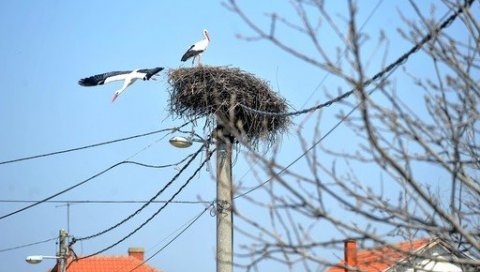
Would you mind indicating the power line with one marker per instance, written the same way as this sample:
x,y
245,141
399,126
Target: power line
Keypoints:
x,y
154,214
403,58
175,237
85,147
105,201
61,192
94,145
77,185
28,245
146,204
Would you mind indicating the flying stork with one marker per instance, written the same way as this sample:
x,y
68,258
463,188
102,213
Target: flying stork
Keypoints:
x,y
128,77
198,48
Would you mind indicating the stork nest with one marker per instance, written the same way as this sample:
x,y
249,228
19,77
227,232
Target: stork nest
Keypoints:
x,y
217,92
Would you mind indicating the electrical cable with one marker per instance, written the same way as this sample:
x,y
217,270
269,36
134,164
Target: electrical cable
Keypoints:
x,y
27,245
154,214
77,185
97,144
61,192
86,146
403,58
193,156
175,237
105,201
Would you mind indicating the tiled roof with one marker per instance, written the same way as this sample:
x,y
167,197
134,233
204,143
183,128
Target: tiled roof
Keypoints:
x,y
107,264
379,259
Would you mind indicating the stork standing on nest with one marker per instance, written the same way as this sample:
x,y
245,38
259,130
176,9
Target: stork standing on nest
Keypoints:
x,y
197,49
128,77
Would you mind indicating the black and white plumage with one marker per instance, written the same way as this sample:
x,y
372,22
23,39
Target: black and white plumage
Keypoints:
x,y
128,77
198,48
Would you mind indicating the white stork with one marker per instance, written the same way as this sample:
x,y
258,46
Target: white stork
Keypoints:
x,y
198,48
128,77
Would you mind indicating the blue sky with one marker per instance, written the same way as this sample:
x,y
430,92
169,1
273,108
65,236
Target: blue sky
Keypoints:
x,y
47,46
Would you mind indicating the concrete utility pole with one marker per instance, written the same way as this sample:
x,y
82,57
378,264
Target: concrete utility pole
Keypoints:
x,y
62,249
224,202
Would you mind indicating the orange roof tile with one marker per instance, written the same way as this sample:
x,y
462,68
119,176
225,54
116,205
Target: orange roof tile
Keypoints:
x,y
108,264
379,259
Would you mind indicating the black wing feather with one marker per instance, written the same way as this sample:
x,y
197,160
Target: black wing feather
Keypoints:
x,y
100,78
190,53
150,72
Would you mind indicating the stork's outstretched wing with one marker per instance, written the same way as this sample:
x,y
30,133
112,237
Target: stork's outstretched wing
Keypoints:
x,y
101,78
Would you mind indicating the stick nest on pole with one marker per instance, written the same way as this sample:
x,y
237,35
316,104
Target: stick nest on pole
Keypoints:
x,y
217,92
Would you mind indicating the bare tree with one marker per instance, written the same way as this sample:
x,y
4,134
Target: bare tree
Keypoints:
x,y
399,143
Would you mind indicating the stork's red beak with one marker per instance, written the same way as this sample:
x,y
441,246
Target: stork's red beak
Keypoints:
x,y
114,97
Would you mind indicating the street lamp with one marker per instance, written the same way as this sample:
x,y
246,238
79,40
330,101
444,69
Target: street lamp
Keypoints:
x,y
182,142
62,253
35,259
